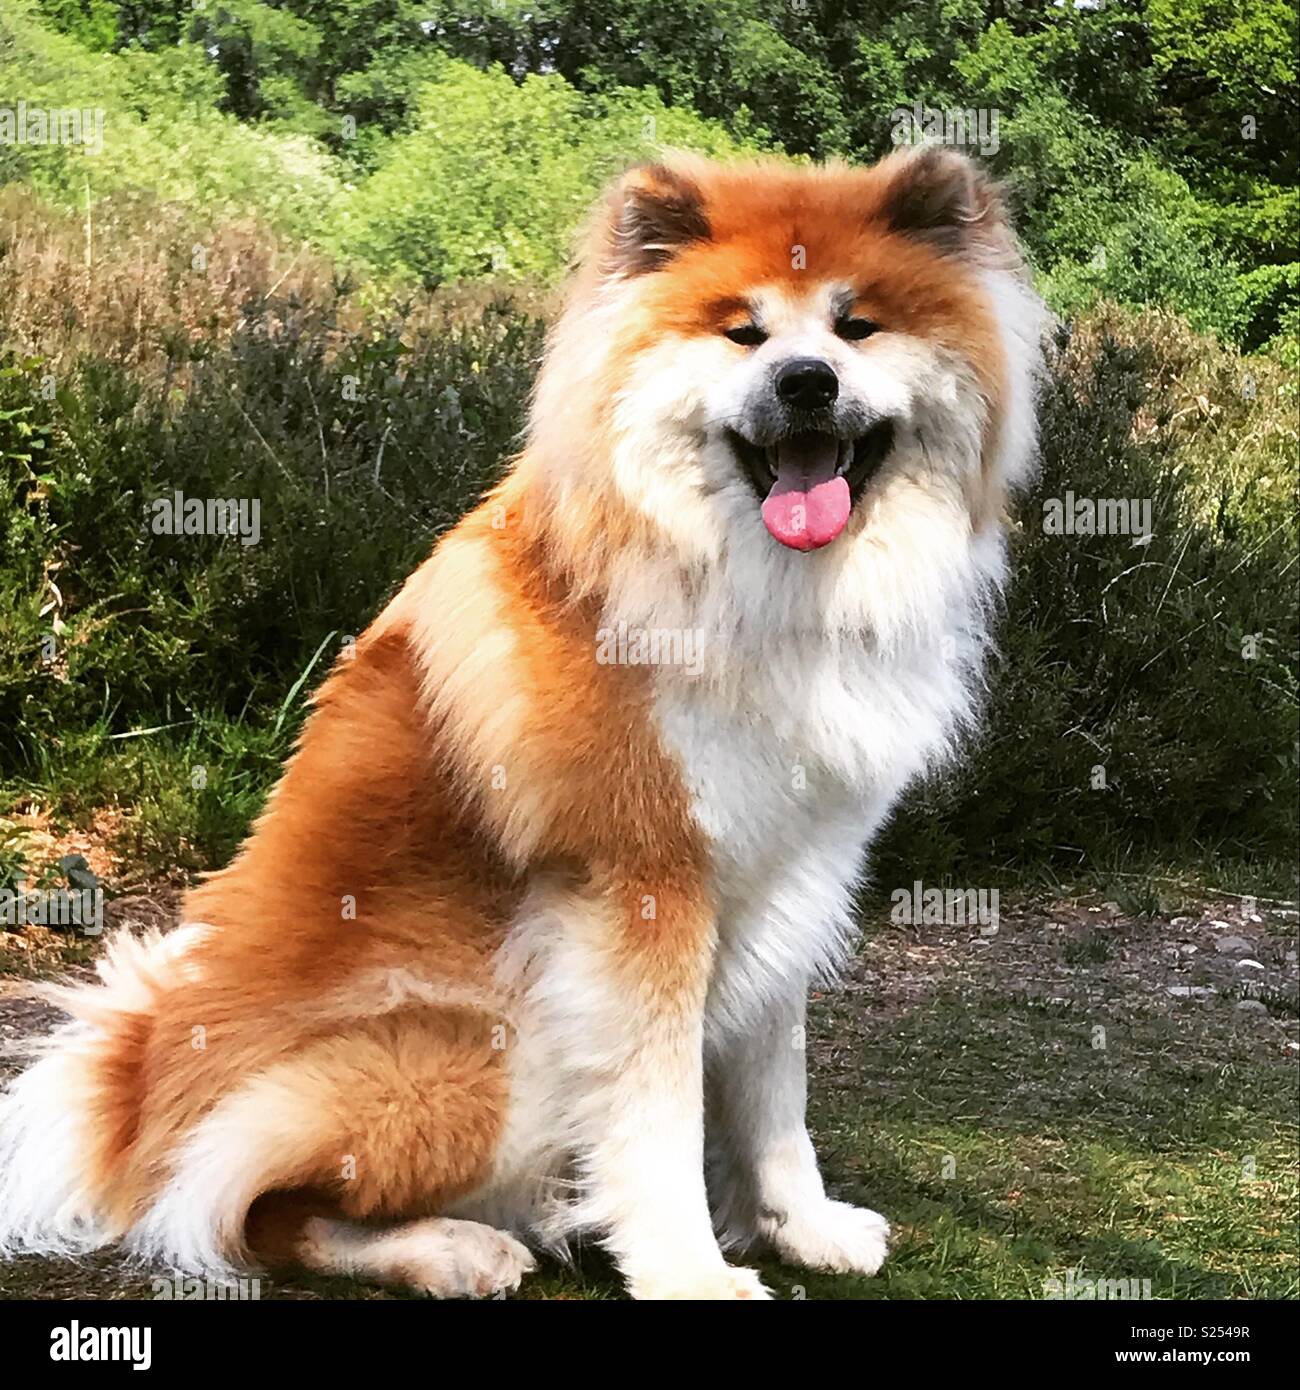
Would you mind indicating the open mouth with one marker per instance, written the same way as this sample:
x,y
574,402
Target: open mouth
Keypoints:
x,y
809,481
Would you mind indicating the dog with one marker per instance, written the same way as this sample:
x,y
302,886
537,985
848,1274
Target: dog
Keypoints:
x,y
519,950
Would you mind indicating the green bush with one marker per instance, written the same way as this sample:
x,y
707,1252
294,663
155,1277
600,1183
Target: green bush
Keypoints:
x,y
164,139
1144,244
359,447
1171,666
494,176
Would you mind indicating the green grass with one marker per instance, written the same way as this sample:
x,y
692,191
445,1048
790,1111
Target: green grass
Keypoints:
x,y
1089,949
1008,1149
184,797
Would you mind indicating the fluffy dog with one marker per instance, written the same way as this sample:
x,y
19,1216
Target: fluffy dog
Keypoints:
x,y
521,944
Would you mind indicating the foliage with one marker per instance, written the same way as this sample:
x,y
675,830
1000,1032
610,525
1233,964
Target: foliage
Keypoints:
x,y
493,177
1148,142
1170,665
163,137
356,445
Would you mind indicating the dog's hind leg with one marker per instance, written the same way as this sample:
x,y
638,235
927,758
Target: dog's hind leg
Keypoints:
x,y
343,1156
441,1256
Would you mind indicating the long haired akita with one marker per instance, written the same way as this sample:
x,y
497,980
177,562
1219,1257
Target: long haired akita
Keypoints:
x,y
520,946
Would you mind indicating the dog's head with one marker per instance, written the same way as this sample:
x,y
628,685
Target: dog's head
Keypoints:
x,y
759,356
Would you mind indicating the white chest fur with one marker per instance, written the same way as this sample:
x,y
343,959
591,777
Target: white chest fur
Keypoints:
x,y
790,768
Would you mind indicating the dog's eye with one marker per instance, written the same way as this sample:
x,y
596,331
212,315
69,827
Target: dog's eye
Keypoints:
x,y
854,330
746,334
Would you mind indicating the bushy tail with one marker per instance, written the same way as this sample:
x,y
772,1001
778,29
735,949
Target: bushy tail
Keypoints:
x,y
60,1117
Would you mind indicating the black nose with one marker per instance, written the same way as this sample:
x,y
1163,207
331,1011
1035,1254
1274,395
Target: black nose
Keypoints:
x,y
807,383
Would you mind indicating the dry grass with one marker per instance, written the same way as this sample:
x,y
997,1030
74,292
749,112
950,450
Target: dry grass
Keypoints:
x,y
144,287
136,286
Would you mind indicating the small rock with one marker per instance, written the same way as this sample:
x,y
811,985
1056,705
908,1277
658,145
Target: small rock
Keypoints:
x,y
1187,950
1180,921
77,871
1248,965
1251,1006
1232,945
1191,991
1217,925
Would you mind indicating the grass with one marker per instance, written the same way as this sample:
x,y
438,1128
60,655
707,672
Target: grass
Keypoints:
x,y
1009,1150
1089,949
182,798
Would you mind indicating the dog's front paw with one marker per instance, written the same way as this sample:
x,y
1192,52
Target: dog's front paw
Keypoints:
x,y
723,1282
833,1236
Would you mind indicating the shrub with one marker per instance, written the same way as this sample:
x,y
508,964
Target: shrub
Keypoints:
x,y
1171,666
164,140
494,175
359,447
1145,243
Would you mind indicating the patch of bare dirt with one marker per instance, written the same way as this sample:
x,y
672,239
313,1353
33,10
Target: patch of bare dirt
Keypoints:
x,y
1229,964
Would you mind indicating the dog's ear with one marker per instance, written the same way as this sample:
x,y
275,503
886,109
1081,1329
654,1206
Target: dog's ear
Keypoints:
x,y
941,197
654,212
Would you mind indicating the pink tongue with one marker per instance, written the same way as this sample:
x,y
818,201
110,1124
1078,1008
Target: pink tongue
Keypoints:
x,y
808,505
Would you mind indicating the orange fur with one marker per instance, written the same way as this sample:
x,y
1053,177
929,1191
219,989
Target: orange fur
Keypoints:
x,y
384,803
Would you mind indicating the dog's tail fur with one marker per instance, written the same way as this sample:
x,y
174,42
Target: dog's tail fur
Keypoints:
x,y
67,1121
